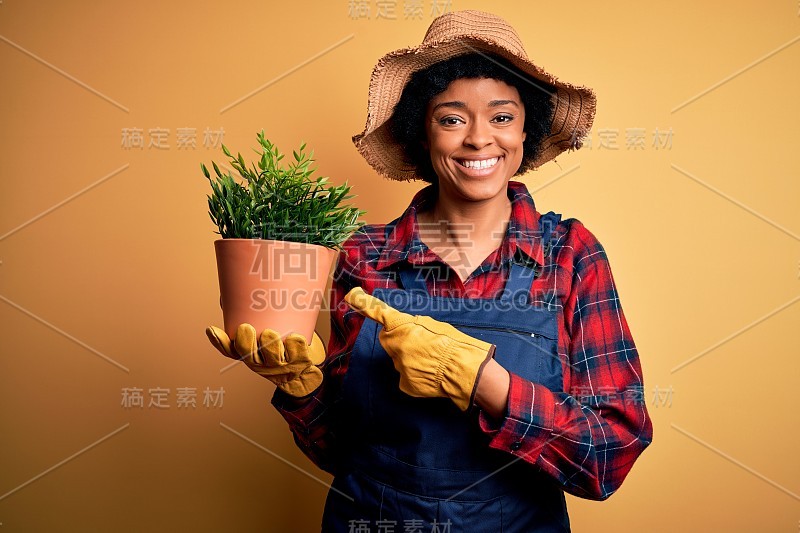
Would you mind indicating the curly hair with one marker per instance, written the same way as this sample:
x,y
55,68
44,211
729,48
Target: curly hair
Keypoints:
x,y
407,123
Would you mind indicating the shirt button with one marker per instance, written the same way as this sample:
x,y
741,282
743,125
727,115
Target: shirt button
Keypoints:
x,y
516,445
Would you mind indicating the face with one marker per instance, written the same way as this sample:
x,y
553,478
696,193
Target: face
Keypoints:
x,y
474,136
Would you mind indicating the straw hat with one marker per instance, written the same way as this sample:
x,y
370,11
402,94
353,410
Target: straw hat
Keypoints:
x,y
452,34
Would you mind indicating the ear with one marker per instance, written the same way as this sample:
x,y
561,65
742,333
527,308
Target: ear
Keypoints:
x,y
524,135
425,145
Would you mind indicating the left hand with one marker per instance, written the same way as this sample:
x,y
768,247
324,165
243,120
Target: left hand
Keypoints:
x,y
434,359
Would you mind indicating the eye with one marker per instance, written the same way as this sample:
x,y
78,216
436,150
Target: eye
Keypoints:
x,y
504,118
449,121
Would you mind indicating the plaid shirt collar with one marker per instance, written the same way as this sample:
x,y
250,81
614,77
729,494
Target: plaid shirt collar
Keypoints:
x,y
522,241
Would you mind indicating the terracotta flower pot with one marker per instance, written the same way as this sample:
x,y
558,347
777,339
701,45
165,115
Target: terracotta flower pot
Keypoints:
x,y
272,284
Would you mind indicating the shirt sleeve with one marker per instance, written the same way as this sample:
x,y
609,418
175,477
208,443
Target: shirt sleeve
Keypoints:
x,y
309,417
586,439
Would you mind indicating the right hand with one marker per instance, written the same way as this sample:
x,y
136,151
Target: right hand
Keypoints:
x,y
290,364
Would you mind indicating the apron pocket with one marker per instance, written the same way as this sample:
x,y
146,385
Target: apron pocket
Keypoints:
x,y
411,512
468,516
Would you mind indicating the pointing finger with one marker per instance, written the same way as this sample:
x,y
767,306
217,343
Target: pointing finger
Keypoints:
x,y
374,308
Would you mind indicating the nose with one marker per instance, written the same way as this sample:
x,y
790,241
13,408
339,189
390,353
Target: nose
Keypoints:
x,y
478,135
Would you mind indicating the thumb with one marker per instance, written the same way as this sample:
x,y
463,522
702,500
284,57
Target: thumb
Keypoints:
x,y
374,308
220,340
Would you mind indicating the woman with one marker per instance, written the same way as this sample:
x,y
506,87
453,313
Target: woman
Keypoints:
x,y
480,364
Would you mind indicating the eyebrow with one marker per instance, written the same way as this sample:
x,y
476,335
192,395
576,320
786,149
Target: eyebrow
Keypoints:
x,y
461,105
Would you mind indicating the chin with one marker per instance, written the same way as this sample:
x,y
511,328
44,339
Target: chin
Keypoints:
x,y
481,189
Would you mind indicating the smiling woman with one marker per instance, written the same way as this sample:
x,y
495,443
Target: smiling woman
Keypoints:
x,y
479,365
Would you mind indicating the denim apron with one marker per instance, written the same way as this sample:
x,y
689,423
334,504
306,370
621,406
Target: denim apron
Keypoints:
x,y
421,464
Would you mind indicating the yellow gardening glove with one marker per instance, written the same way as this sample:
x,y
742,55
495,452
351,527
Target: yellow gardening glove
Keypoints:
x,y
290,364
434,358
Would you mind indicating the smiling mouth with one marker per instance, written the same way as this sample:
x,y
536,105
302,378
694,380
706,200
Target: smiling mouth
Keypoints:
x,y
478,164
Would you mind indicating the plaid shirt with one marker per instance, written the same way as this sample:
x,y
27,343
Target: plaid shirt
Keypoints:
x,y
587,438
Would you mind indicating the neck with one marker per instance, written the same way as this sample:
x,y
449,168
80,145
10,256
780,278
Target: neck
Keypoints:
x,y
465,224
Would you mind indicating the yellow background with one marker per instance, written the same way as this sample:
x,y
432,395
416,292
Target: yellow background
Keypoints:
x,y
107,252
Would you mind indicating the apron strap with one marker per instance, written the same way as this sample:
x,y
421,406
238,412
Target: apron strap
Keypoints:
x,y
518,285
547,226
411,279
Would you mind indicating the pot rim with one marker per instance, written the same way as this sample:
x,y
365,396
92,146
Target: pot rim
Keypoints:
x,y
237,239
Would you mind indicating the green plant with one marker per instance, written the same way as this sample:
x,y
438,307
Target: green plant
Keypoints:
x,y
280,203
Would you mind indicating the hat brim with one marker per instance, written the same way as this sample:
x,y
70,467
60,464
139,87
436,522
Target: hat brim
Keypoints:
x,y
573,114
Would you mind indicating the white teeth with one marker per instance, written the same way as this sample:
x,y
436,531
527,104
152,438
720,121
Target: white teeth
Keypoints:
x,y
484,163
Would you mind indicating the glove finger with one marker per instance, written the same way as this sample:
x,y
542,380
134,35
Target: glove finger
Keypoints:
x,y
296,349
375,308
271,349
220,340
245,344
275,360
287,357
298,357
